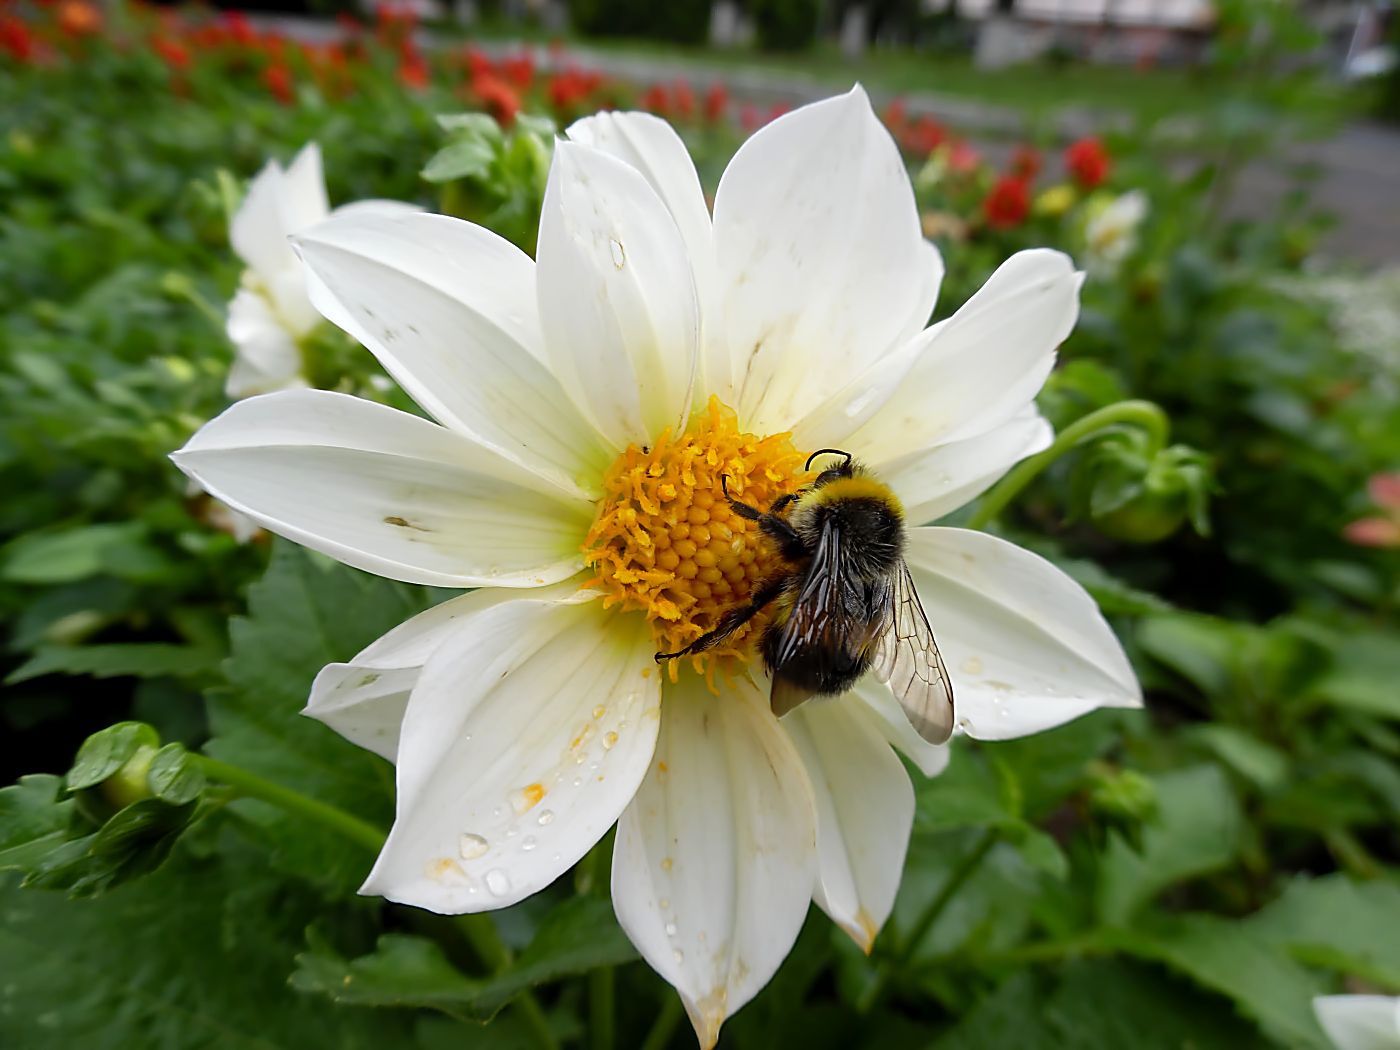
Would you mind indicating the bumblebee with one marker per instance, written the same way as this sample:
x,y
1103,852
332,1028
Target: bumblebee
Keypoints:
x,y
844,602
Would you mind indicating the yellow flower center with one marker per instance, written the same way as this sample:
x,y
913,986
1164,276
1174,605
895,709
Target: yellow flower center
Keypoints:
x,y
667,543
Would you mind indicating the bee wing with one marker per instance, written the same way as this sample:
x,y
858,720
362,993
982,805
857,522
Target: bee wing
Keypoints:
x,y
907,659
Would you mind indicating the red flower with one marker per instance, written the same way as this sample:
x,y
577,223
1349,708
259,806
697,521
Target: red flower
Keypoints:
x,y
1088,162
518,71
1026,162
1008,204
924,136
749,118
17,41
683,98
896,116
655,100
716,102
175,54
79,18
497,97
963,159
413,70
238,28
278,79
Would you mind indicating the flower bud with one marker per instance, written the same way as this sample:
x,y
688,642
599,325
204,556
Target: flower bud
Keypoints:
x,y
1138,495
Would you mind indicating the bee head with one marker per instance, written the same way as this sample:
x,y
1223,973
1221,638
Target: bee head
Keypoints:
x,y
847,469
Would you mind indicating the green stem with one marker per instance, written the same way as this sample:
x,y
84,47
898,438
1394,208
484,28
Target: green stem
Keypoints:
x,y
1142,413
250,785
901,960
935,907
665,1024
480,931
602,1006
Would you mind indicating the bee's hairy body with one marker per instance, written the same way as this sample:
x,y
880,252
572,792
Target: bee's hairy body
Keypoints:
x,y
844,593
868,522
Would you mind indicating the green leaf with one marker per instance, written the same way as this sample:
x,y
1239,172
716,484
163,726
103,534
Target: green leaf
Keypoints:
x,y
195,955
1240,962
1266,766
135,842
34,819
1339,923
304,613
175,776
106,751
1199,828
575,937
1100,1005
144,660
62,557
1199,648
466,158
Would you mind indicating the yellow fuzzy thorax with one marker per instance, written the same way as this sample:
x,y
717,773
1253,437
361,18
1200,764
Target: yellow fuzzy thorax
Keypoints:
x,y
861,486
666,543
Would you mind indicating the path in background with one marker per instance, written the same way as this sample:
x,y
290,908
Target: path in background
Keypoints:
x,y
1358,180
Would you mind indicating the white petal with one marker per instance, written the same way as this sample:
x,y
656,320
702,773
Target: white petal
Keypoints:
x,y
714,863
364,700
386,492
893,724
303,198
524,739
617,296
651,146
950,476
449,309
266,356
865,810
1360,1022
825,268
257,231
1027,647
980,367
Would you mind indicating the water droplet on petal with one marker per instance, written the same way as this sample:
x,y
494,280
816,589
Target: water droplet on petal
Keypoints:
x,y
546,815
599,711
609,741
678,955
619,257
670,929
527,843
498,882
472,846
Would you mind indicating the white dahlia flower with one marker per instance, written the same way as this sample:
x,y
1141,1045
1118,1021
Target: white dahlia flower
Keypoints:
x,y
587,406
1111,232
271,313
1360,1022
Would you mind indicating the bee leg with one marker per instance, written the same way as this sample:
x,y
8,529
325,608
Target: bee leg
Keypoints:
x,y
781,503
729,622
789,543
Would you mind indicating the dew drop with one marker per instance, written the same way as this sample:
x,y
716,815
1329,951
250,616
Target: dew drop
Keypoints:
x,y
678,955
545,817
619,257
498,882
472,846
578,781
599,711
670,929
527,843
609,741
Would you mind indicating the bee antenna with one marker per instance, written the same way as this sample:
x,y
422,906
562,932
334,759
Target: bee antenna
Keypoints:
x,y
825,451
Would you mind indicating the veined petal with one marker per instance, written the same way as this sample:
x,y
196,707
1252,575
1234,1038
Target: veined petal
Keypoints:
x,y
449,309
819,247
980,367
865,811
266,357
1359,1022
524,739
364,700
650,145
886,716
714,863
617,297
1027,647
938,482
386,492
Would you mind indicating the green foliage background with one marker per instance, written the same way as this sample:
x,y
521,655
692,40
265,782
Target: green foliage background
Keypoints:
x,y
1185,876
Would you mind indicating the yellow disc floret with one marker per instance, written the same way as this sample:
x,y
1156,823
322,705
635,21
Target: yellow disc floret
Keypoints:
x,y
667,543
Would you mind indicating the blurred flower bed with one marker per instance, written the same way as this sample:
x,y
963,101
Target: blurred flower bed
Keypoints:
x,y
1196,872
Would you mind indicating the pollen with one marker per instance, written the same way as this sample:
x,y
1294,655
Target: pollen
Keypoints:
x,y
667,544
